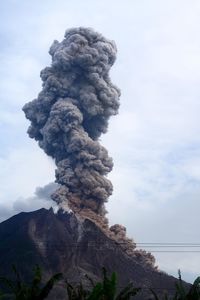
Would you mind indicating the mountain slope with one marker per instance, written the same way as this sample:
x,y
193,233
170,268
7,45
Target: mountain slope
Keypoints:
x,y
63,243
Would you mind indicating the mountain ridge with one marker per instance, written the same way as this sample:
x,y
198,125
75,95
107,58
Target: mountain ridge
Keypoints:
x,y
62,242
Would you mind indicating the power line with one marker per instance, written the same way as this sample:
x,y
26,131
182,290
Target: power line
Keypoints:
x,y
173,243
99,249
173,251
173,246
154,247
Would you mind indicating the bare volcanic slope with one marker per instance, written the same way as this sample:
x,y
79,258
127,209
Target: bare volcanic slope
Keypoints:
x,y
63,243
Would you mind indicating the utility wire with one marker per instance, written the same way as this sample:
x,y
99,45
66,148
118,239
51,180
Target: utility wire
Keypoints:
x,y
172,246
173,243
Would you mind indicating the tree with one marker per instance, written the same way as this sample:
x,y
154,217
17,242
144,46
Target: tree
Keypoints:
x,y
181,292
19,290
105,290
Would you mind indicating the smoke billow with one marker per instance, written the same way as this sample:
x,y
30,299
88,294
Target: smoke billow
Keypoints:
x,y
70,114
67,119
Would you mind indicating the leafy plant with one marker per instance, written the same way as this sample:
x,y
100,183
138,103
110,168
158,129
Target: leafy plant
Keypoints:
x,y
181,292
76,293
105,290
19,290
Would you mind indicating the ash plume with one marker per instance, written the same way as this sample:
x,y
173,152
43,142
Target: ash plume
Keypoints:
x,y
70,114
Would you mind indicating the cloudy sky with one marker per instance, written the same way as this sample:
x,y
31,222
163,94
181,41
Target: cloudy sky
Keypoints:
x,y
155,139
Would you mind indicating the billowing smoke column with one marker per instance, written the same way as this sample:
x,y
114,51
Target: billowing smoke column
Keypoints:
x,y
70,114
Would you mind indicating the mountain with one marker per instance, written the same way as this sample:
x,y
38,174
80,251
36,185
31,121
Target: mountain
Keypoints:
x,y
64,243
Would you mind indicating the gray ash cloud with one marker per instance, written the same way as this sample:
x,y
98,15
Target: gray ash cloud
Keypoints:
x,y
72,111
41,197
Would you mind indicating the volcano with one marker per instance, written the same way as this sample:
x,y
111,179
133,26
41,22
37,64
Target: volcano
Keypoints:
x,y
63,242
67,120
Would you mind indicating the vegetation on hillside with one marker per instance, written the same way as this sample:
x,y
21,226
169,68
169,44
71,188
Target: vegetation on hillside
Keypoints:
x,y
181,293
106,289
20,290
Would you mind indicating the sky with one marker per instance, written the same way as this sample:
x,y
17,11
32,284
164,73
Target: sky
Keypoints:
x,y
155,138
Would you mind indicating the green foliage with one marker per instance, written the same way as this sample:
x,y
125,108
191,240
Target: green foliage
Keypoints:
x,y
181,292
19,290
76,293
105,290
